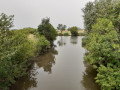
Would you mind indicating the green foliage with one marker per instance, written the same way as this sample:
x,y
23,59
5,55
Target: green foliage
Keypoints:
x,y
66,34
108,77
42,44
61,27
102,23
89,16
16,50
85,41
46,29
74,31
109,9
6,22
15,53
104,53
73,28
104,43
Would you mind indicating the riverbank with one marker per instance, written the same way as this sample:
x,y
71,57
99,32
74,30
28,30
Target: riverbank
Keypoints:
x,y
17,50
61,68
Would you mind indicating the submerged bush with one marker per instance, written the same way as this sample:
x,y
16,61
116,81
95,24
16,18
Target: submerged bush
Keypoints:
x,y
42,44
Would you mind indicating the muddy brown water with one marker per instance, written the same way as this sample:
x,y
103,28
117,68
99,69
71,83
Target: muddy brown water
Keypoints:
x,y
61,68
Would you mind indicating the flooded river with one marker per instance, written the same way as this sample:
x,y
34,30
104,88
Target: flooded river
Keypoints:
x,y
61,68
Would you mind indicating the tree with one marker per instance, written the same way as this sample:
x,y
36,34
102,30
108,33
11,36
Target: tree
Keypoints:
x,y
97,9
103,43
46,29
73,30
89,16
6,22
61,27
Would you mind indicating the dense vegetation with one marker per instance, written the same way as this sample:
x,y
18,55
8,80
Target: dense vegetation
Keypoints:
x,y
46,29
102,23
73,30
17,47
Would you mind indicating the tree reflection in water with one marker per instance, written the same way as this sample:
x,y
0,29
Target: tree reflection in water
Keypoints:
x,y
89,78
62,42
74,39
27,81
45,61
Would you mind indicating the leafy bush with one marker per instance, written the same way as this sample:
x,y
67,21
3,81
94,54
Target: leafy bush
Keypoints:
x,y
85,41
16,50
66,34
74,32
104,53
108,77
14,55
73,28
103,43
42,44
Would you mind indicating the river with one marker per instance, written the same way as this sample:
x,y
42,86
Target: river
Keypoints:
x,y
61,68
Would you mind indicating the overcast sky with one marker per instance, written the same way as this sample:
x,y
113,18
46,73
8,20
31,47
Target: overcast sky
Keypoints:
x,y
28,13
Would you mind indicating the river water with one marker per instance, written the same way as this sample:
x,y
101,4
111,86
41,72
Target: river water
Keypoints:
x,y
61,68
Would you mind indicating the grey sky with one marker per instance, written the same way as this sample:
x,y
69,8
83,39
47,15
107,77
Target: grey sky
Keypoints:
x,y
28,13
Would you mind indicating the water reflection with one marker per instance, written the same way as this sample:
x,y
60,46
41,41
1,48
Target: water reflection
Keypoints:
x,y
63,71
47,60
74,39
61,42
25,83
88,78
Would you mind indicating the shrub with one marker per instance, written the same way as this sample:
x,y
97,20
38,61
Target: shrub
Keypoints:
x,y
85,41
108,77
66,34
42,44
103,43
74,32
14,56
